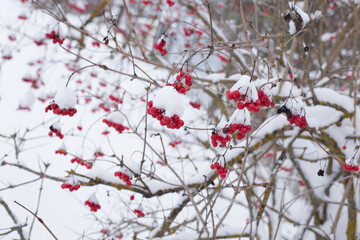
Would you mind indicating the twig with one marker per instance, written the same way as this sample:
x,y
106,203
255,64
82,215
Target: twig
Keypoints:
x,y
39,219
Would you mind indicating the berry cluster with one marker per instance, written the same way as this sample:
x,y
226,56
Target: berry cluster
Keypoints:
x,y
71,184
298,121
243,129
188,31
33,82
39,42
293,119
55,37
222,171
61,151
195,105
57,111
139,213
118,127
81,162
123,176
264,99
93,206
160,47
98,154
70,187
181,85
170,3
221,138
349,165
55,131
243,102
174,143
115,99
173,122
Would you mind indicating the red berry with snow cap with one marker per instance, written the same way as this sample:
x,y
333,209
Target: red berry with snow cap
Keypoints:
x,y
115,120
166,108
64,103
93,203
71,183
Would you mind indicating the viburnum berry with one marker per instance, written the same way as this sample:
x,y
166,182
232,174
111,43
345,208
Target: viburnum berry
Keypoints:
x,y
81,162
146,2
56,129
298,121
119,236
242,102
244,92
98,153
350,165
195,105
294,111
170,3
161,163
33,81
115,120
167,107
242,130
93,203
188,31
221,170
265,99
115,99
71,183
139,213
95,44
174,143
61,151
320,172
173,122
124,177
105,132
56,110
132,197
64,103
344,147
219,137
160,46
55,37
182,84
